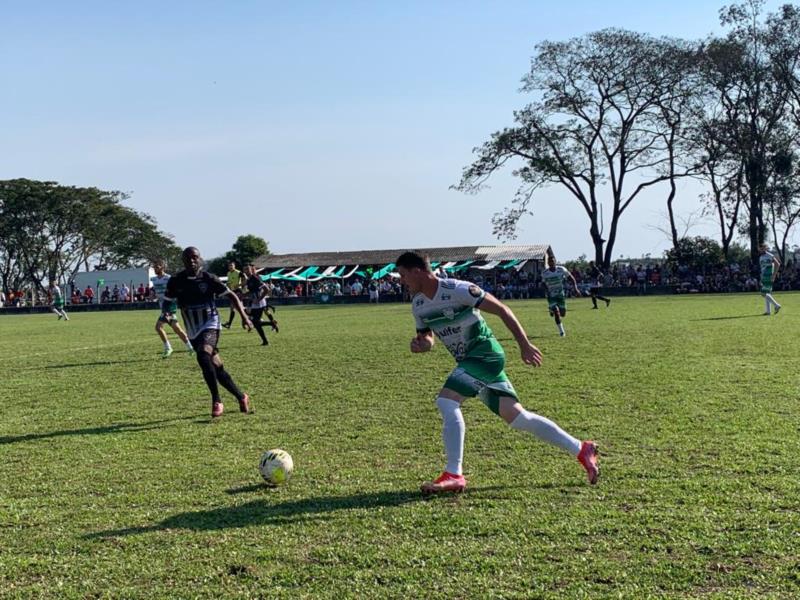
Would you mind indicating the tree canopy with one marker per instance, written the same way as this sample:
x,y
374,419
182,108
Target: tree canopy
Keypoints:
x,y
615,112
48,232
246,249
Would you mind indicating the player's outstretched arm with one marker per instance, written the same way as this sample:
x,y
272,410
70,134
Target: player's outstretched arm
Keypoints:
x,y
575,285
423,342
531,355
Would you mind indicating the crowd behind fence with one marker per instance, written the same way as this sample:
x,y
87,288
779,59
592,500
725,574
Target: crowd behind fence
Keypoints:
x,y
506,284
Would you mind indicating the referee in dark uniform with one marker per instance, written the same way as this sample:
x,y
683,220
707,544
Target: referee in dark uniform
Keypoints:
x,y
595,280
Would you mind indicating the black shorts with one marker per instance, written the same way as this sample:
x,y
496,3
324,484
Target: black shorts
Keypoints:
x,y
207,337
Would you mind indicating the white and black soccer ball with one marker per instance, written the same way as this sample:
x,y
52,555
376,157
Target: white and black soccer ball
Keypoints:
x,y
276,466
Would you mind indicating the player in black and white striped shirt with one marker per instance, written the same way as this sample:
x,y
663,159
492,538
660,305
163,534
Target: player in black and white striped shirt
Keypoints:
x,y
195,291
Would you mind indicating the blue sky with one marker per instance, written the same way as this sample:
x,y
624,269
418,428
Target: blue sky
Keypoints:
x,y
316,125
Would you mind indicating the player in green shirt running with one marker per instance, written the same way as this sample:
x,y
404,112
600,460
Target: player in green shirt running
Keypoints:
x,y
553,278
448,309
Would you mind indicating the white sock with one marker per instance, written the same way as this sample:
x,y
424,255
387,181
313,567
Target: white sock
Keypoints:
x,y
167,345
189,347
769,299
66,318
560,328
547,431
452,433
766,303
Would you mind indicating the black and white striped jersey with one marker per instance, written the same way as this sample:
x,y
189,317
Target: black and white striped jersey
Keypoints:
x,y
254,287
195,295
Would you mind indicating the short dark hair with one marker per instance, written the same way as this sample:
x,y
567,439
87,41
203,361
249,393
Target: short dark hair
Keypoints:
x,y
413,260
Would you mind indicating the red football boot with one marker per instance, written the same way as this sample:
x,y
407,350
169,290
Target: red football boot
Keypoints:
x,y
588,457
446,482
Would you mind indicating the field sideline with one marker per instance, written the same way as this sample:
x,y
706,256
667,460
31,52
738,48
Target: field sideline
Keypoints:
x,y
114,482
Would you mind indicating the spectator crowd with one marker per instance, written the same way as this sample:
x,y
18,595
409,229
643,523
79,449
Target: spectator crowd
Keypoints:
x,y
506,284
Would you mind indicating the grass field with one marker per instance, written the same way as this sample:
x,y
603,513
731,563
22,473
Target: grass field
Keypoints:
x,y
114,482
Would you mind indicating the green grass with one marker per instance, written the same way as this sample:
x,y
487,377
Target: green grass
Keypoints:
x,y
114,482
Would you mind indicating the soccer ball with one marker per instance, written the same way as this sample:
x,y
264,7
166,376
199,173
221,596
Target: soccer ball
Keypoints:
x,y
276,466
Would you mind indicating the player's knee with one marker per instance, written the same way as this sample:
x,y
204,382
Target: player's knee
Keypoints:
x,y
204,358
509,409
216,361
449,394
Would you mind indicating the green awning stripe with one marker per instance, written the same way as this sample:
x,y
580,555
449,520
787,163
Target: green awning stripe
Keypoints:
x,y
461,267
382,272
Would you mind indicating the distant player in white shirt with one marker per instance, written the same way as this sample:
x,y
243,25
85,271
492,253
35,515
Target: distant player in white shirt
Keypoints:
x,y
553,277
168,310
769,264
57,301
448,309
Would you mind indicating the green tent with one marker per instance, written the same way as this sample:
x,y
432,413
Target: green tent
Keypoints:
x,y
509,264
461,267
383,272
273,275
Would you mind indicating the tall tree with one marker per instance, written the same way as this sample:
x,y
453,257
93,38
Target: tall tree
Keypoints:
x,y
48,232
678,104
596,128
248,248
748,71
719,167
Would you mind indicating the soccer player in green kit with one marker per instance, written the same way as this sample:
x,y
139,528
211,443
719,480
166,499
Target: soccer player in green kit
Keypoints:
x,y
448,309
553,277
769,264
168,310
57,301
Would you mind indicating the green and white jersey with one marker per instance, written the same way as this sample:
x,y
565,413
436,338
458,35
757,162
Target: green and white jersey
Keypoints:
x,y
55,293
160,285
554,281
452,314
160,288
767,266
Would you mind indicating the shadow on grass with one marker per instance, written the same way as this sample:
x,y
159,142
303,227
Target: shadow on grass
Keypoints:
x,y
727,318
98,363
264,512
102,430
246,489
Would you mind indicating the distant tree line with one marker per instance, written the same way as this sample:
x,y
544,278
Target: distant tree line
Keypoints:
x,y
616,112
49,232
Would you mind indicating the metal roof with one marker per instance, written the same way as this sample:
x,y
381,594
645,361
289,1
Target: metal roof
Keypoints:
x,y
382,257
